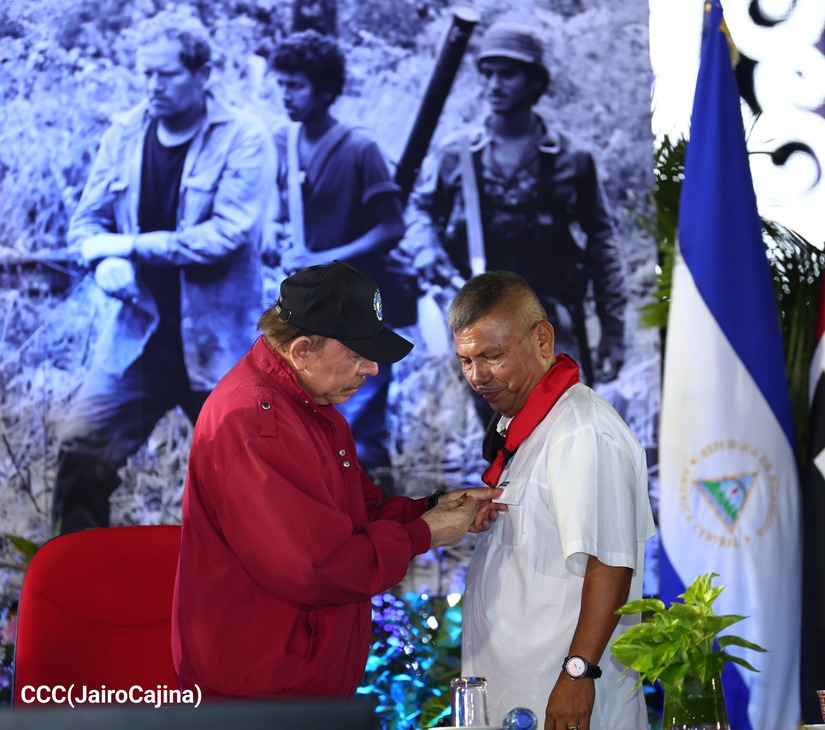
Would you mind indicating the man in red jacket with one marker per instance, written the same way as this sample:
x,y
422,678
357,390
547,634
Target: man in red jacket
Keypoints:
x,y
285,537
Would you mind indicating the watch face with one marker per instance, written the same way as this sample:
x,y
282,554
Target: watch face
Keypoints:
x,y
576,666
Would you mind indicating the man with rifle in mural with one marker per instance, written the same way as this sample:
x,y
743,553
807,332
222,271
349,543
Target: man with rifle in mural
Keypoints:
x,y
170,221
515,195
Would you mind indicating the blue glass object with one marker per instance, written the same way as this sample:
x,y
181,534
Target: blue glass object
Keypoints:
x,y
520,718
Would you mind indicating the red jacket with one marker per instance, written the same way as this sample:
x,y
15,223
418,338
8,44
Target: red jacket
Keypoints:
x,y
285,539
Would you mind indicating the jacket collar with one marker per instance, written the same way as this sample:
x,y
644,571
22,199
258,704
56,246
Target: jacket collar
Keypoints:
x,y
550,141
138,116
269,360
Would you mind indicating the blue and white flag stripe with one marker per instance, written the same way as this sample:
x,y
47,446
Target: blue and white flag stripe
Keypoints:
x,y
729,484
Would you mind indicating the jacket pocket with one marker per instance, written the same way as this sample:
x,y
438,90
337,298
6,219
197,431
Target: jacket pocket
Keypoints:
x,y
198,198
303,640
118,193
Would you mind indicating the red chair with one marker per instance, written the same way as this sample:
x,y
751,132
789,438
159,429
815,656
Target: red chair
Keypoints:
x,y
95,609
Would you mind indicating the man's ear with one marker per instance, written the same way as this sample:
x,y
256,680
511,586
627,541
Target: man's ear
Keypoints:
x,y
203,74
299,351
547,338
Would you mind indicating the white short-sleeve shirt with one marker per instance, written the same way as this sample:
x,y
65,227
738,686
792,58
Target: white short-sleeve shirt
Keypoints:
x,y
577,486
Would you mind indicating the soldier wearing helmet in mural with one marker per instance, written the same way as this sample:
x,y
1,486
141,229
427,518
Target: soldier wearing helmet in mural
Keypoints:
x,y
516,195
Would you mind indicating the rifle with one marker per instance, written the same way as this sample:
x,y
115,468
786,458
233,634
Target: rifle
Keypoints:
x,y
40,273
465,18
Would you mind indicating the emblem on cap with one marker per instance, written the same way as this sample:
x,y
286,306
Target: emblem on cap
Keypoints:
x,y
377,306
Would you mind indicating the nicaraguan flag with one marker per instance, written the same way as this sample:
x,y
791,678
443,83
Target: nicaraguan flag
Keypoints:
x,y
729,484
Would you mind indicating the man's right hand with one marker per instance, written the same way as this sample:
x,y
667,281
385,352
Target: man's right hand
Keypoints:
x,y
455,514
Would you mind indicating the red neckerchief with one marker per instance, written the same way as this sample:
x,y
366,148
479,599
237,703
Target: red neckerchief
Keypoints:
x,y
561,375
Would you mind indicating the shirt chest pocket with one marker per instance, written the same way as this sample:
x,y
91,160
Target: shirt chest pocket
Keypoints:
x,y
117,191
512,524
198,192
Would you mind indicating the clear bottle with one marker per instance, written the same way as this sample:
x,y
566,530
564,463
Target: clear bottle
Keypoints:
x,y
520,718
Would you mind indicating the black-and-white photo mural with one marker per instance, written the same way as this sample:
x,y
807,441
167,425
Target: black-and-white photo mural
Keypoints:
x,y
104,371
136,259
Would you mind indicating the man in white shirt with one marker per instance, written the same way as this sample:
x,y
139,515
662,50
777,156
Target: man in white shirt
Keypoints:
x,y
545,581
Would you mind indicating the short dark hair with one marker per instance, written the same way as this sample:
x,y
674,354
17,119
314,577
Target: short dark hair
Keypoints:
x,y
318,56
183,27
281,333
486,292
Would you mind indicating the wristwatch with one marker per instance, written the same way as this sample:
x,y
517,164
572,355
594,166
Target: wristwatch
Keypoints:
x,y
433,500
579,668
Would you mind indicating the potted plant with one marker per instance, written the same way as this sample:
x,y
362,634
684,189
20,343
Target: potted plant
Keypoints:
x,y
680,648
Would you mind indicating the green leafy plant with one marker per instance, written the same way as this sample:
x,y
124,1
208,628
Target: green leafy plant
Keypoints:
x,y
25,552
680,641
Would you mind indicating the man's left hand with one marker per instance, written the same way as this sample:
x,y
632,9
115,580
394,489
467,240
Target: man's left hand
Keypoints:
x,y
116,276
570,703
103,245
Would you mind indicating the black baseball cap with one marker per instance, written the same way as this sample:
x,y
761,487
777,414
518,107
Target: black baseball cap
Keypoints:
x,y
335,300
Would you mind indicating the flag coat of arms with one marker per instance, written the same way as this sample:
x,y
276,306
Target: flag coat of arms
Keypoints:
x,y
729,500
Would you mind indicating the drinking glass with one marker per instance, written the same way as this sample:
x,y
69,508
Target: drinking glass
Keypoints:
x,y
468,699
